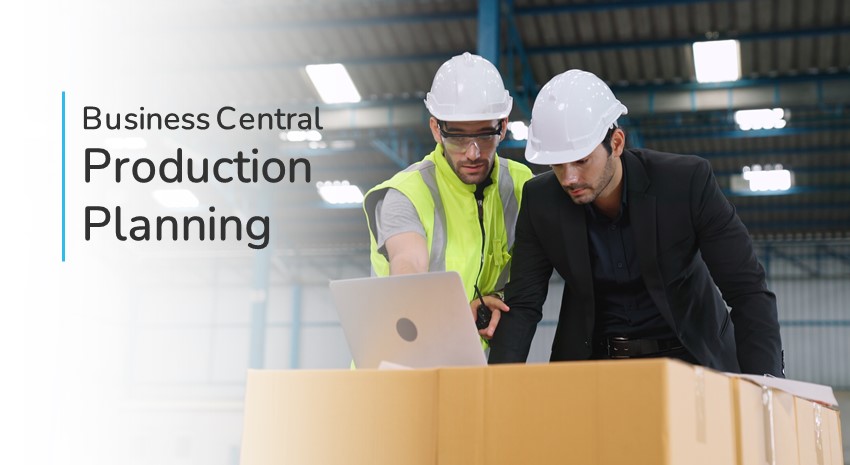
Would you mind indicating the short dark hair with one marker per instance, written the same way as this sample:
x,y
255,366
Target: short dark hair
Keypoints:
x,y
606,142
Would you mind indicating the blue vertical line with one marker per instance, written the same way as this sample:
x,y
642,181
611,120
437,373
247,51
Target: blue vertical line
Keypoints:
x,y
63,176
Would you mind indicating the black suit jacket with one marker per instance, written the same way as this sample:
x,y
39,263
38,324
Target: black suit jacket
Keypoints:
x,y
690,243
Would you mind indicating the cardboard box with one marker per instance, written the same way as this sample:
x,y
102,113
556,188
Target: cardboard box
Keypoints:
x,y
340,417
765,425
652,411
818,434
836,446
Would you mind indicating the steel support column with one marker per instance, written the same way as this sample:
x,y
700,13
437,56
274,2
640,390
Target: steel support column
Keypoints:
x,y
488,30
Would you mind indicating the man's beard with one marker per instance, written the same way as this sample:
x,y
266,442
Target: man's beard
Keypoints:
x,y
591,193
471,178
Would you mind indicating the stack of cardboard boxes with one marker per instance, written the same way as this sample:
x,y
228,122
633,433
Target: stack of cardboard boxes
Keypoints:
x,y
652,411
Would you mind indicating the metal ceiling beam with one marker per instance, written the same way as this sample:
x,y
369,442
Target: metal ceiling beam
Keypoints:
x,y
660,43
830,251
809,113
738,134
794,207
815,323
514,144
520,144
348,61
792,191
676,124
410,110
299,24
606,6
800,170
796,261
836,185
592,47
830,94
391,150
740,83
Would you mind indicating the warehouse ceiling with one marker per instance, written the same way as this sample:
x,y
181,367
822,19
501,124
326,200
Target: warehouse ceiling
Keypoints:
x,y
795,55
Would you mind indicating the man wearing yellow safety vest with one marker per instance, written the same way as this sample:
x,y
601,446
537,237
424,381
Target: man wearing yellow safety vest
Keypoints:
x,y
456,208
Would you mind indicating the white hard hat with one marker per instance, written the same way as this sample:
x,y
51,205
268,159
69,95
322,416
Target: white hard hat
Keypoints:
x,y
571,115
468,88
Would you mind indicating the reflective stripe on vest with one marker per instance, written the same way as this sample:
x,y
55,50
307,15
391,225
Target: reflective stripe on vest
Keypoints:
x,y
438,235
510,208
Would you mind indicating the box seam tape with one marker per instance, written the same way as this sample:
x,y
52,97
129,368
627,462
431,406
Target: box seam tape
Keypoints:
x,y
699,403
818,432
769,425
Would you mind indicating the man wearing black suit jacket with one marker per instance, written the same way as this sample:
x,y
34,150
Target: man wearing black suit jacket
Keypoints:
x,y
643,239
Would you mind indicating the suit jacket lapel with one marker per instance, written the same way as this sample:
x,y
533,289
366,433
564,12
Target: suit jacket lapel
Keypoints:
x,y
642,214
573,235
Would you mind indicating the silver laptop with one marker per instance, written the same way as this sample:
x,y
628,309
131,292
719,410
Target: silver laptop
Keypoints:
x,y
411,321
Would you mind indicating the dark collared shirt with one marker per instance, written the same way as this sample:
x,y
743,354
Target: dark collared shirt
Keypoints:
x,y
623,304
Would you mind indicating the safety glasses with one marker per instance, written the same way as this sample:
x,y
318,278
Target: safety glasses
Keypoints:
x,y
459,143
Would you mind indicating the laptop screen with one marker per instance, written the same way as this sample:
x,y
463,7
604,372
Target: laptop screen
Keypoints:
x,y
414,321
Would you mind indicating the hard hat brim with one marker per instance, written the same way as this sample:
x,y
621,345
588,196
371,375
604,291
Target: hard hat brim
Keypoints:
x,y
566,155
436,112
542,157
471,117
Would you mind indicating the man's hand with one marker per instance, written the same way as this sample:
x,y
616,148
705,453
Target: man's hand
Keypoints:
x,y
496,306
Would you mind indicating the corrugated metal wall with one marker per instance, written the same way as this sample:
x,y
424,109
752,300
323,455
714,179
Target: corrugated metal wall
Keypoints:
x,y
811,280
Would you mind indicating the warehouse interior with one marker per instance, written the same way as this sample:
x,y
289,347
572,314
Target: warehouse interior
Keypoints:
x,y
213,311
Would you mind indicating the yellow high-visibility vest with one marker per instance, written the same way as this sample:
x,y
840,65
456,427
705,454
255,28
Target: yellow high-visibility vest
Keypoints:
x,y
449,214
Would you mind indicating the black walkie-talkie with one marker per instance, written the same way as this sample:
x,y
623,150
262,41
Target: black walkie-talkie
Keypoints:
x,y
484,314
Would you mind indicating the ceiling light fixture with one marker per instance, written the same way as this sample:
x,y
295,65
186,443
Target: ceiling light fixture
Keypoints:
x,y
764,118
333,83
339,192
768,178
717,60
